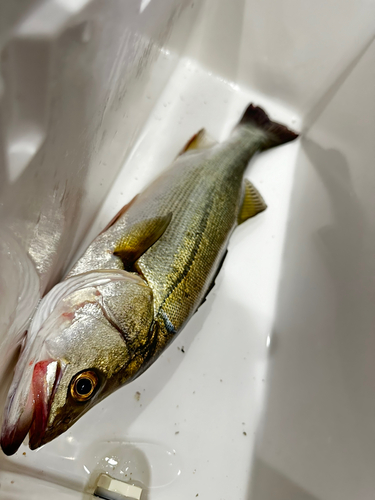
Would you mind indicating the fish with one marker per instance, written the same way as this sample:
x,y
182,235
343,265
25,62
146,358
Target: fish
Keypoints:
x,y
137,285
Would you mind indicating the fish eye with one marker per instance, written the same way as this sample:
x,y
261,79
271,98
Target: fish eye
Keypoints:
x,y
83,385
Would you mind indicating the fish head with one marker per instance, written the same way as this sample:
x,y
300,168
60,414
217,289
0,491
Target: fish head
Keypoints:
x,y
88,338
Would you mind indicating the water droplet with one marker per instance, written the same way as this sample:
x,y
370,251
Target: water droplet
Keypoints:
x,y
147,464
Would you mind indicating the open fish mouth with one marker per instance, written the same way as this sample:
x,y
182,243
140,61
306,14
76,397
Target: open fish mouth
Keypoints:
x,y
33,417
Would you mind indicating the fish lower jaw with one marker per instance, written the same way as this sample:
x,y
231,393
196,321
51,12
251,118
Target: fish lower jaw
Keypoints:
x,y
34,444
13,437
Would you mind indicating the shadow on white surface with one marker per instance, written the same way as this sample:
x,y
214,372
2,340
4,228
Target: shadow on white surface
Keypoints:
x,y
269,484
316,435
321,104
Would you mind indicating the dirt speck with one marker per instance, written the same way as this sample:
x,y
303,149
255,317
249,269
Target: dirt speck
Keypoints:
x,y
12,482
177,432
183,349
244,433
24,453
137,395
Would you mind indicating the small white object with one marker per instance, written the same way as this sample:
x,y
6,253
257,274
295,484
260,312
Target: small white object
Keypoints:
x,y
113,489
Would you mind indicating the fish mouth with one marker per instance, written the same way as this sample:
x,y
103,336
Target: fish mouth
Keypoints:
x,y
33,417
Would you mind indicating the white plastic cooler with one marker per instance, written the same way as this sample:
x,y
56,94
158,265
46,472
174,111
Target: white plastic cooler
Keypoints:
x,y
268,394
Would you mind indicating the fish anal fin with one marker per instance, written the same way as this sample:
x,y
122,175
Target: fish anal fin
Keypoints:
x,y
213,281
121,212
252,204
139,237
200,140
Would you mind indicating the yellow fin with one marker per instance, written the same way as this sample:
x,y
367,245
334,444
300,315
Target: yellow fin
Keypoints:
x,y
201,140
252,204
140,237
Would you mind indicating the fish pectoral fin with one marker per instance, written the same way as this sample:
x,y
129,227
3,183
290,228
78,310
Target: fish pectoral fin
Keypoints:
x,y
200,140
139,237
252,204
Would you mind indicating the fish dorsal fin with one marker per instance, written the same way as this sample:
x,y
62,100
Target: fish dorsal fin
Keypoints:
x,y
252,204
200,140
139,237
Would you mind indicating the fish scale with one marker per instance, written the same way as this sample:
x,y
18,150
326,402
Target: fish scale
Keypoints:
x,y
203,235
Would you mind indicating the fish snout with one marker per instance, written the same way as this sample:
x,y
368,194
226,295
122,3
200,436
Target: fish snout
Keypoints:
x,y
28,412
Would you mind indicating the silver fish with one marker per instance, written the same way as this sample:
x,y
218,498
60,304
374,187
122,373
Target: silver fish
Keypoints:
x,y
137,284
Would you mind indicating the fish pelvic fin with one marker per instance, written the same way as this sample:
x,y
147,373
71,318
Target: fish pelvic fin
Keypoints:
x,y
139,237
276,133
252,203
200,140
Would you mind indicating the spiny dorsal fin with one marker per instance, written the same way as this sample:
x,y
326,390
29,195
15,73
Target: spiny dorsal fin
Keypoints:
x,y
200,140
252,204
140,237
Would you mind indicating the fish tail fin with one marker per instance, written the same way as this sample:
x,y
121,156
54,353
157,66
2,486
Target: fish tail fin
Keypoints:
x,y
276,133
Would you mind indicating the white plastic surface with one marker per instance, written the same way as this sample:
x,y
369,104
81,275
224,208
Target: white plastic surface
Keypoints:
x,y
268,393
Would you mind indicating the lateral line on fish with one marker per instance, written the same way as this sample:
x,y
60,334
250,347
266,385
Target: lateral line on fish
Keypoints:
x,y
193,256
